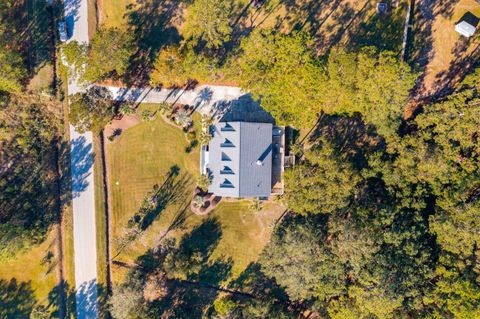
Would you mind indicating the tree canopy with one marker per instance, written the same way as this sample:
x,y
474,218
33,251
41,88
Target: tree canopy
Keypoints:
x,y
323,184
209,21
107,56
295,86
282,71
12,65
91,110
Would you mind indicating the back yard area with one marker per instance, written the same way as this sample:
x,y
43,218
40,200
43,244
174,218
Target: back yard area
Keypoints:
x,y
151,156
442,56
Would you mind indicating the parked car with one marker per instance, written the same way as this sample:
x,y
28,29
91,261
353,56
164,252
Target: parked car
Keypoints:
x,y
63,31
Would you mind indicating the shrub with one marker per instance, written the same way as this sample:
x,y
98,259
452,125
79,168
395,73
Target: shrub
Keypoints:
x,y
203,182
198,201
191,135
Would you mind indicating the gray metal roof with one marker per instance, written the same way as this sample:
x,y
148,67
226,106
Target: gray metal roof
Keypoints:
x,y
240,159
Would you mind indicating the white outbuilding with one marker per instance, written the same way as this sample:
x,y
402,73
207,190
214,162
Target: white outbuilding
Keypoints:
x,y
467,25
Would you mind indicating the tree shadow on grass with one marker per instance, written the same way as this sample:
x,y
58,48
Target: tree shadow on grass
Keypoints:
x,y
384,32
193,296
17,300
311,16
152,25
173,189
197,246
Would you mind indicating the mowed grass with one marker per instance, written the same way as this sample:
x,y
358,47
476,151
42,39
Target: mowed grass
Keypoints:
x,y
142,157
101,225
113,12
32,267
244,232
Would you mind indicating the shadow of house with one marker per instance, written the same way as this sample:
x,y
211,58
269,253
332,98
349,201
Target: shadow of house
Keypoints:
x,y
243,109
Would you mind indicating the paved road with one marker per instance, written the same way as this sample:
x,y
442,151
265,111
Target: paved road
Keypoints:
x,y
81,147
84,230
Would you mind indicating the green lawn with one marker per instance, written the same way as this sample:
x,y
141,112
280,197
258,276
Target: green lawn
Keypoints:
x,y
141,158
113,12
244,233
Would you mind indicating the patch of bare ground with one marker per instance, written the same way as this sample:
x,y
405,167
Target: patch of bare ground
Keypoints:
x,y
119,125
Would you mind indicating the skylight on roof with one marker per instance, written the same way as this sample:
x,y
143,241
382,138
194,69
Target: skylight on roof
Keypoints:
x,y
226,184
225,157
226,170
227,143
227,128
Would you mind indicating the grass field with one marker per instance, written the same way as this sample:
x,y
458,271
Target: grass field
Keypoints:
x,y
351,22
138,160
35,267
244,233
142,157
113,13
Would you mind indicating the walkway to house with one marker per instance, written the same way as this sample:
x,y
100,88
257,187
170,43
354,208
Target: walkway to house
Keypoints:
x,y
81,147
